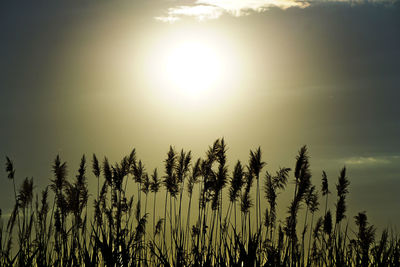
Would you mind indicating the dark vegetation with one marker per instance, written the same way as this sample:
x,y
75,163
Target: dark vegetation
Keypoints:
x,y
242,232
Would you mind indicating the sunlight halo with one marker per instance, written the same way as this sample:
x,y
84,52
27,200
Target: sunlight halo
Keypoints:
x,y
192,70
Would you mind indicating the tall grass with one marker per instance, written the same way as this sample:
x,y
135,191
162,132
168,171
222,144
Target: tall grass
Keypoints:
x,y
67,231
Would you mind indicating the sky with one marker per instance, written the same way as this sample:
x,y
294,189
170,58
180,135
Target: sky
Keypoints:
x,y
83,77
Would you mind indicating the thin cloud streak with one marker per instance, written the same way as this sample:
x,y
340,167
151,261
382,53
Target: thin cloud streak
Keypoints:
x,y
200,12
370,160
242,7
213,9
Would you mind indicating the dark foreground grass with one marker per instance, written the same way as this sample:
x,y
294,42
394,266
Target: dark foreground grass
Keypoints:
x,y
193,228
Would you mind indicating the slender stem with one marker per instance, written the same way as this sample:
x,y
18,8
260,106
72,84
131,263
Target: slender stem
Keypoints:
x,y
154,212
16,203
165,217
309,240
188,222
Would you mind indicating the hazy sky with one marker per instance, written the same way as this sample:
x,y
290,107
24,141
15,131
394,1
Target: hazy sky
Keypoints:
x,y
87,77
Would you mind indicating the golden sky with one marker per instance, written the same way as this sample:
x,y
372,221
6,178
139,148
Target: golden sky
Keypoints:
x,y
106,77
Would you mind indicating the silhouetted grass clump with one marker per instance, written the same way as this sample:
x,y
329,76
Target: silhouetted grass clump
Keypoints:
x,y
115,232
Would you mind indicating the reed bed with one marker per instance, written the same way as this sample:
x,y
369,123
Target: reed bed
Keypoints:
x,y
205,216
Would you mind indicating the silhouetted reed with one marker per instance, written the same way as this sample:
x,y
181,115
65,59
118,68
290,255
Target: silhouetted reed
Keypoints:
x,y
115,233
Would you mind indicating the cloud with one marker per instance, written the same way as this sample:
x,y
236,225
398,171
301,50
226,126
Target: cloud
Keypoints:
x,y
169,19
200,12
242,7
213,9
370,160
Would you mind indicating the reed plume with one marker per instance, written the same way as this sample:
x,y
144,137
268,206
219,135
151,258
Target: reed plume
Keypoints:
x,y
342,190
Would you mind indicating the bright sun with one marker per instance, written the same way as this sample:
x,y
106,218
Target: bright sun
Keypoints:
x,y
194,68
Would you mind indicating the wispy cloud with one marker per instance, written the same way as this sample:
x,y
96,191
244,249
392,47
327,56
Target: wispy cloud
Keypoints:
x,y
371,160
213,9
199,11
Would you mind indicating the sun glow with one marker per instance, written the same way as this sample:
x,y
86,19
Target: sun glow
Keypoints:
x,y
190,69
193,68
